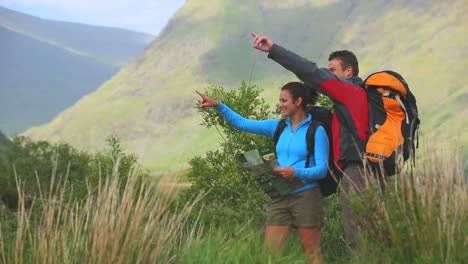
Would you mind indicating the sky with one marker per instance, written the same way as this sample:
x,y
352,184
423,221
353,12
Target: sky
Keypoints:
x,y
148,16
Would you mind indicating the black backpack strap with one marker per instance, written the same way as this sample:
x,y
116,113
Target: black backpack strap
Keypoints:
x,y
310,139
278,131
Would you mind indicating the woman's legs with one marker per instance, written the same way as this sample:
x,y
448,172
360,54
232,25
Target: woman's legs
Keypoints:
x,y
310,237
304,210
275,236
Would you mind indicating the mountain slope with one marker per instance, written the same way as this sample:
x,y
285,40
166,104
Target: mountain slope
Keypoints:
x,y
39,80
4,144
149,103
113,46
47,66
4,140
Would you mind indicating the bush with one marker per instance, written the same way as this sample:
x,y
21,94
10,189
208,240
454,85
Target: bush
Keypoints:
x,y
231,193
41,166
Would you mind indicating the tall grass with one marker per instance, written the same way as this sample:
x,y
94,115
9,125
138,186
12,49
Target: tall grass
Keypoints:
x,y
114,224
238,244
422,218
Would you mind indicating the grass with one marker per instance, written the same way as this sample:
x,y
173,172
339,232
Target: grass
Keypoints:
x,y
117,224
422,218
240,244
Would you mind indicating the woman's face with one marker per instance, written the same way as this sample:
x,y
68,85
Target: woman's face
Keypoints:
x,y
287,104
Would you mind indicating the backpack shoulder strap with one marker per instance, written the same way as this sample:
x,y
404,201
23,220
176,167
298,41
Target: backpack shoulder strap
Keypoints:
x,y
310,139
278,131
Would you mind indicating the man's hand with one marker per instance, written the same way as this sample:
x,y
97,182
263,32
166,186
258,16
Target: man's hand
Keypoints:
x,y
286,172
261,43
207,101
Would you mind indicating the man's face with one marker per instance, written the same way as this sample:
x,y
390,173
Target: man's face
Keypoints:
x,y
335,67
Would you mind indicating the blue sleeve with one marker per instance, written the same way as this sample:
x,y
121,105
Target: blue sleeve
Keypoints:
x,y
319,171
259,127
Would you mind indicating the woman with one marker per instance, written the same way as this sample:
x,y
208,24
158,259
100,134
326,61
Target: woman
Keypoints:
x,y
302,208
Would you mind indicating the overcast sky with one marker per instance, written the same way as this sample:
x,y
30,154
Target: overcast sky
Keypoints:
x,y
149,16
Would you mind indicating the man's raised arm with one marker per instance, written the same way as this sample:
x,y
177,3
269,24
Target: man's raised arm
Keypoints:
x,y
306,70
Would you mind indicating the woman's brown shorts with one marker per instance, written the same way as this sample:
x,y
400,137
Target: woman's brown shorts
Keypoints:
x,y
302,209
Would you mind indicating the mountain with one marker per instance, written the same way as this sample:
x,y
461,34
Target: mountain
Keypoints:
x,y
4,140
149,103
47,66
4,144
114,46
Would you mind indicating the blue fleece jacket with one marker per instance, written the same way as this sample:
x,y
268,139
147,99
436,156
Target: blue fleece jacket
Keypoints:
x,y
291,148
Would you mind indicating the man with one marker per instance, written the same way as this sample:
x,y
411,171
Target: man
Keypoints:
x,y
350,121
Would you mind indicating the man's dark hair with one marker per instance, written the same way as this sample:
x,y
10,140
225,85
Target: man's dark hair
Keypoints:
x,y
347,59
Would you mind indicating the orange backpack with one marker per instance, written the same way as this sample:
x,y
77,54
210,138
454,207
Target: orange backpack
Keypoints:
x,y
393,120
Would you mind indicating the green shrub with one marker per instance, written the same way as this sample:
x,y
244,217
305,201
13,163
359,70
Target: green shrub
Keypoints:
x,y
41,166
41,170
231,194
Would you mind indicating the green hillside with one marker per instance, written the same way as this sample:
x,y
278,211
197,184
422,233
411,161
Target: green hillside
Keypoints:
x,y
4,140
4,143
40,80
113,46
46,66
149,103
